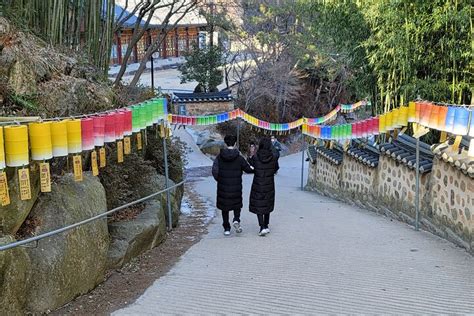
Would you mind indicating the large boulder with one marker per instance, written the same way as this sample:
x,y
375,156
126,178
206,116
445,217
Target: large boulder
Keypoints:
x,y
13,215
74,262
14,275
212,147
131,238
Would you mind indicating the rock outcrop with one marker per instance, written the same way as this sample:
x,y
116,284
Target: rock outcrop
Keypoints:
x,y
74,262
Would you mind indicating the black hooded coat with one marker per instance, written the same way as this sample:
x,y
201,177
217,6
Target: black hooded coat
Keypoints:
x,y
265,163
227,171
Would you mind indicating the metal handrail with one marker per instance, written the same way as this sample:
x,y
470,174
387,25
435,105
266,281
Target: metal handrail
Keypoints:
x,y
91,219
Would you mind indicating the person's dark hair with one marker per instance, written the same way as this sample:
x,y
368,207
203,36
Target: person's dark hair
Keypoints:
x,y
265,143
230,140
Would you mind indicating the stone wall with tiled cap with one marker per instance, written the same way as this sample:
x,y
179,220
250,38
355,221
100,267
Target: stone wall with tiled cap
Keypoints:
x,y
451,199
446,193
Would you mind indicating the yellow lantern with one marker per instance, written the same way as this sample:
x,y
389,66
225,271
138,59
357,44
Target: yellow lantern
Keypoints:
x,y
16,145
403,116
382,123
395,114
59,138
411,112
40,141
2,150
74,138
389,121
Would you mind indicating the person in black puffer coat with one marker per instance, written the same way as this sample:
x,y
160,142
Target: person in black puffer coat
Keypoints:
x,y
227,171
262,196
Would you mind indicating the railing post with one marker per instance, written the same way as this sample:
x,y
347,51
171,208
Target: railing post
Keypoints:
x,y
168,197
417,186
303,143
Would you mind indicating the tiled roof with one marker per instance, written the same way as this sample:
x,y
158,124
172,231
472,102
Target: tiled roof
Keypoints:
x,y
222,96
311,153
334,155
365,153
190,18
457,159
403,149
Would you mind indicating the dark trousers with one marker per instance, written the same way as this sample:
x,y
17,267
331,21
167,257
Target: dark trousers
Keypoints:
x,y
225,218
263,220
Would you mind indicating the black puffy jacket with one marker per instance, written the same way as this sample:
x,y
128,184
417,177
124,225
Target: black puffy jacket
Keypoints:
x,y
262,196
227,170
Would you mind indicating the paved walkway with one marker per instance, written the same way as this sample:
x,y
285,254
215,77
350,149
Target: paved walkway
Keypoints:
x,y
322,256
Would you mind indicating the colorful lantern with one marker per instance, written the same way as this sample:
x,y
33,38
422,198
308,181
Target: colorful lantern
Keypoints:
x,y
425,113
74,136
59,138
40,141
403,116
461,121
442,114
411,112
136,118
389,121
99,130
110,136
119,124
87,132
127,123
16,145
395,114
382,123
2,150
449,123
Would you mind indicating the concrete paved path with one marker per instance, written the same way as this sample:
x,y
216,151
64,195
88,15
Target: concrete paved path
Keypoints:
x,y
322,256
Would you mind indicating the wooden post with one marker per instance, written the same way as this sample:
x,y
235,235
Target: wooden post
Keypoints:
x,y
118,37
176,46
187,39
165,55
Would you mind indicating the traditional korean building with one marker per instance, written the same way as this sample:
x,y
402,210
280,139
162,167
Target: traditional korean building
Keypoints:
x,y
179,38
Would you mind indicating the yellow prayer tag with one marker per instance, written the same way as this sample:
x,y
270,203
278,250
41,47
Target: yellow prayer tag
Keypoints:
x,y
443,137
45,177
24,179
95,167
4,194
139,141
119,151
77,168
457,142
127,147
102,158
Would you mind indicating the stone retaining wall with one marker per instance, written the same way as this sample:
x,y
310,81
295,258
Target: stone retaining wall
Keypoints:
x,y
446,194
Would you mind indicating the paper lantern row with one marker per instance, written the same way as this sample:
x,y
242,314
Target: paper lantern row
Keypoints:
x,y
454,120
51,139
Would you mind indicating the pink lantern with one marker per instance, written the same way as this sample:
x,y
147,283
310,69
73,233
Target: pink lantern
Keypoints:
x,y
127,122
119,124
99,130
110,136
87,133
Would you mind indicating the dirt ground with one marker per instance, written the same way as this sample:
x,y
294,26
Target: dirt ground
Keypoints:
x,y
123,286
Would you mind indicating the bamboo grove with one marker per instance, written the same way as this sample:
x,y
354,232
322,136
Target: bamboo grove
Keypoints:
x,y
81,25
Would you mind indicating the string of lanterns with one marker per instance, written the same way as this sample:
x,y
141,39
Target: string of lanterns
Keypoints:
x,y
61,137
238,113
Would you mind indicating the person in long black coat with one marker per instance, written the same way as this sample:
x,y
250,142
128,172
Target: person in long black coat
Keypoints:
x,y
262,195
227,171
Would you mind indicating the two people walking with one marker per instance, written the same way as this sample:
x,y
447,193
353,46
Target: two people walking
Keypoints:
x,y
227,170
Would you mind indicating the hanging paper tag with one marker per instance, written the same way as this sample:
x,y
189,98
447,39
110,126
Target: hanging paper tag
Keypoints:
x,y
102,158
457,142
45,177
119,151
95,168
78,168
162,130
139,141
127,148
4,194
25,189
443,137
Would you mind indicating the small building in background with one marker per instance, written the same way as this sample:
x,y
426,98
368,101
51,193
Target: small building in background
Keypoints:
x,y
195,104
180,36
